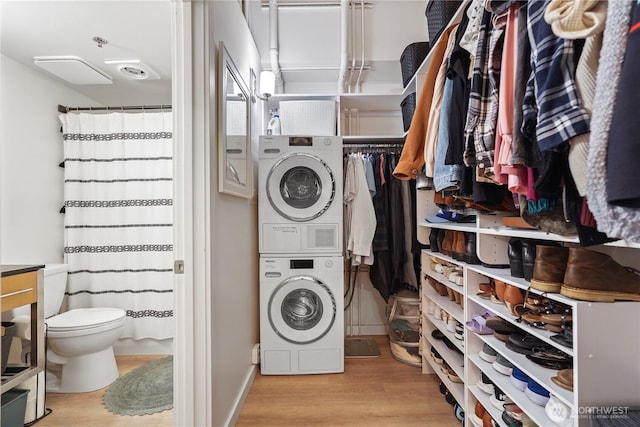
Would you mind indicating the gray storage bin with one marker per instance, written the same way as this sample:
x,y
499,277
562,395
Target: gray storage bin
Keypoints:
x,y
14,404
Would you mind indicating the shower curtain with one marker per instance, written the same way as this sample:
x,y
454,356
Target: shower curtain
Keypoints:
x,y
118,194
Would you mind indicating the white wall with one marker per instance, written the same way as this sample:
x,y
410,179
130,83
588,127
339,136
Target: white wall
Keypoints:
x,y
30,151
234,238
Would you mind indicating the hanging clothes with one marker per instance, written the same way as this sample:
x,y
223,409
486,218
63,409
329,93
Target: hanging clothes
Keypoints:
x,y
360,214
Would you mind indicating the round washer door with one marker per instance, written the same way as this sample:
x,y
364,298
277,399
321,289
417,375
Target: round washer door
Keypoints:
x,y
300,187
302,309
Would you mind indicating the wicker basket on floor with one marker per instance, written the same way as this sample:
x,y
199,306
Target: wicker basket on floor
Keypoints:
x,y
403,315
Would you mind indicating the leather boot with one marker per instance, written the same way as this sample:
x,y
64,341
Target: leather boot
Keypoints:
x,y
528,258
470,255
549,268
458,246
433,240
447,243
593,276
529,255
514,252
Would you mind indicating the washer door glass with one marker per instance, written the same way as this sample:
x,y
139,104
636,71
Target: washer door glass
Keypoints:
x,y
302,309
300,187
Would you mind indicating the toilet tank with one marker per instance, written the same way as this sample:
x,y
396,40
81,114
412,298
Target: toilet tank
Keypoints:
x,y
55,284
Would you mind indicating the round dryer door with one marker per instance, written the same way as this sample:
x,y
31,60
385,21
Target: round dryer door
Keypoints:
x,y
300,187
302,309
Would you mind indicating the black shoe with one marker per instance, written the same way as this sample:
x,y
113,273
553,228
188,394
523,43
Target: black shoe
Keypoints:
x,y
514,252
433,240
470,255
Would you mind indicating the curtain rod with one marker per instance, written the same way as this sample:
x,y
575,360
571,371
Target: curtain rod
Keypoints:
x,y
63,109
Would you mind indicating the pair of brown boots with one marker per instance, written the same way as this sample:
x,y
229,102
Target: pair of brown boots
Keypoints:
x,y
583,274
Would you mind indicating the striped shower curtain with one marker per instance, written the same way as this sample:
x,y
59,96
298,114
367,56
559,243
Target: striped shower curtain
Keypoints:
x,y
118,201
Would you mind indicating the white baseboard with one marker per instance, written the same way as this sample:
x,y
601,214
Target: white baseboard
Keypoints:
x,y
130,346
242,396
366,330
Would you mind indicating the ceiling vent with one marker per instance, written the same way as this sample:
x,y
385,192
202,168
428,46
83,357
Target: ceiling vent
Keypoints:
x,y
72,69
133,69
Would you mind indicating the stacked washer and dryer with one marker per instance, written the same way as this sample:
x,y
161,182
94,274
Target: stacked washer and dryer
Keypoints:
x,y
301,264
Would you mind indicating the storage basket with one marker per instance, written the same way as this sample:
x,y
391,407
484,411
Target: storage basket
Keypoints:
x,y
439,13
14,403
411,58
408,106
403,315
308,117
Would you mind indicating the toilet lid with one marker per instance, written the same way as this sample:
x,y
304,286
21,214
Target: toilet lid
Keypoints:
x,y
83,318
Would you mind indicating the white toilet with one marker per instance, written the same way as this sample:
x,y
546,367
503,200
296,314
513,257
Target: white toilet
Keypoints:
x,y
80,340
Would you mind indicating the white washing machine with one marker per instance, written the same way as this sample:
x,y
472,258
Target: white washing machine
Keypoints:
x,y
301,315
300,194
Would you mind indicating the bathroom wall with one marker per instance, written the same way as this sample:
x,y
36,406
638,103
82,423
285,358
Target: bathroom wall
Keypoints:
x,y
31,192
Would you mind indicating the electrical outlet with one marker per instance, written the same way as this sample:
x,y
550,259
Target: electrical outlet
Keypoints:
x,y
255,354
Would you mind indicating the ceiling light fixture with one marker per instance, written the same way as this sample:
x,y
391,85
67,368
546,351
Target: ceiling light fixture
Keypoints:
x,y
267,86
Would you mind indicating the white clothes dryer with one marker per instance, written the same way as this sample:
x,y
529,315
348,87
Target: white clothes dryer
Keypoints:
x,y
300,205
301,315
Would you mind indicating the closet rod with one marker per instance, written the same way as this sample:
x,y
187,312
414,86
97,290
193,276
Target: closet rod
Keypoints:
x,y
63,109
348,146
328,3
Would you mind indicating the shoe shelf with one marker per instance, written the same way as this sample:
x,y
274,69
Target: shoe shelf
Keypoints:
x,y
538,373
439,324
456,389
501,310
504,274
606,341
444,303
483,397
536,412
453,359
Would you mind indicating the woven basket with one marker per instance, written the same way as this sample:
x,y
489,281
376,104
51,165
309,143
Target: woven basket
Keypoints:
x,y
439,13
411,58
408,106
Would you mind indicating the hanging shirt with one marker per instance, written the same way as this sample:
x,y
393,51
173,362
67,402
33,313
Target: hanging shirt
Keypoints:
x,y
362,220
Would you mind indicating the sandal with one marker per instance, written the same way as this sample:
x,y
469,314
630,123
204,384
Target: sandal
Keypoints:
x,y
565,338
552,358
478,323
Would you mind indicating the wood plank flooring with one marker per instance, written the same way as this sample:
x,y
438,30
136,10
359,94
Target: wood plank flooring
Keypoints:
x,y
87,410
371,392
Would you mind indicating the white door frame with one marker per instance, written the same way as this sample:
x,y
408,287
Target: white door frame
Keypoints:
x,y
193,390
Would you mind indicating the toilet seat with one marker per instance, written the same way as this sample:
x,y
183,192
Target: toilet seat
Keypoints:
x,y
82,321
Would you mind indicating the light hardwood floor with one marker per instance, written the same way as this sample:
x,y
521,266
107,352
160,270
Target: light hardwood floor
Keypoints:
x,y
371,392
87,410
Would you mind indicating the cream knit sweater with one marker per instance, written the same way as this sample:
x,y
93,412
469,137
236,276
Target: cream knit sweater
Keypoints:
x,y
615,221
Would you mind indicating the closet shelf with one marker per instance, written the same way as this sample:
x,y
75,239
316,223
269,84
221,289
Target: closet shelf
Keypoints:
x,y
456,389
439,324
444,303
483,397
503,382
454,360
501,311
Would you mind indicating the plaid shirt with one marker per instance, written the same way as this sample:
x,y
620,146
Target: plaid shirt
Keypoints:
x,y
482,113
551,101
